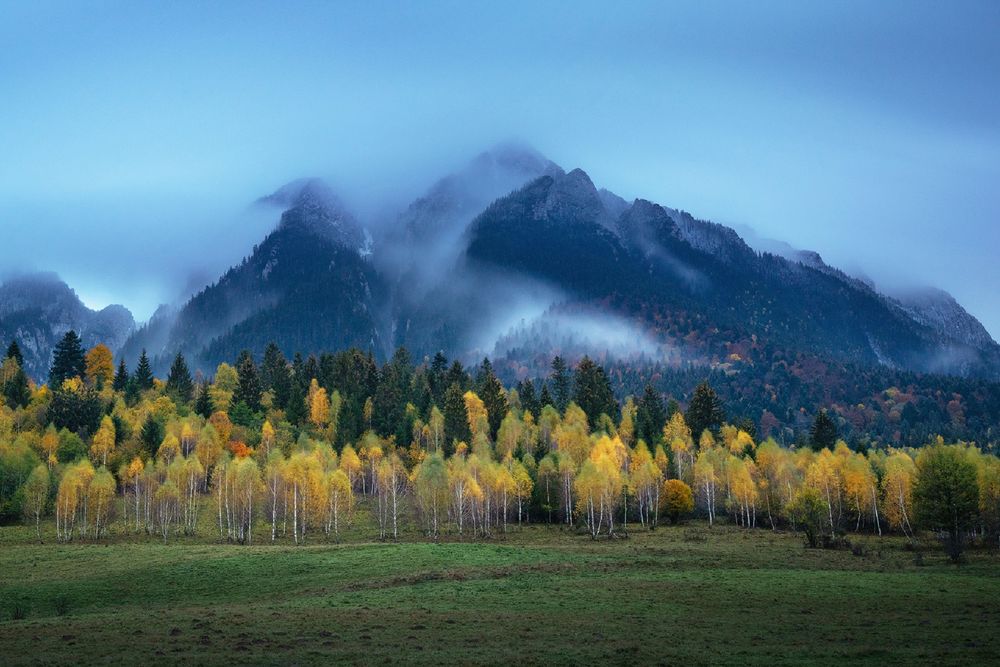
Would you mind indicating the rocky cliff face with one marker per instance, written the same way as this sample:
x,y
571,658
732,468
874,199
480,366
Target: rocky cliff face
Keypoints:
x,y
38,309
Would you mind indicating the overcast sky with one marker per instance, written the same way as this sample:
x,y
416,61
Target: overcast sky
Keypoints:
x,y
134,135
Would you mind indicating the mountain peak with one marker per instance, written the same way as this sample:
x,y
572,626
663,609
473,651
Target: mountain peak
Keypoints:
x,y
311,205
516,157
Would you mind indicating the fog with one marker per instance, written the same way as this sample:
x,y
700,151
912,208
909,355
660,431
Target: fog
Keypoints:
x,y
135,138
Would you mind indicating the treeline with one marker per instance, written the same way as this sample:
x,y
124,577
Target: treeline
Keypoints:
x,y
286,450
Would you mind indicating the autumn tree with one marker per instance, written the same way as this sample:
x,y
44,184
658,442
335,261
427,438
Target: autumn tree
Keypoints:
x,y
808,510
36,494
99,366
946,494
104,441
677,499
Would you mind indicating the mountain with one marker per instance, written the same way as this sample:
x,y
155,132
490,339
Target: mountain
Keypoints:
x,y
423,245
308,285
655,262
513,257
38,309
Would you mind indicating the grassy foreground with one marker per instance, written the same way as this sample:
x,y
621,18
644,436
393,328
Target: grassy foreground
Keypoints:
x,y
684,595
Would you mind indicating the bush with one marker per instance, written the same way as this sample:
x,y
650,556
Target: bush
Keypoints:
x,y
677,499
809,512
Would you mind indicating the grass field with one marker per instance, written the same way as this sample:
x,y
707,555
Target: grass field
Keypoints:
x,y
541,595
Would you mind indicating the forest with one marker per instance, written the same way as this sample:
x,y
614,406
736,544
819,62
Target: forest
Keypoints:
x,y
286,451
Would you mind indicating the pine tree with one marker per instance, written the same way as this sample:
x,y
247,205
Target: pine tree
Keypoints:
x,y
273,363
650,416
705,411
143,376
560,384
179,381
152,434
436,377
491,391
545,398
14,352
203,405
120,383
529,400
68,360
592,391
296,411
248,388
823,433
456,419
16,391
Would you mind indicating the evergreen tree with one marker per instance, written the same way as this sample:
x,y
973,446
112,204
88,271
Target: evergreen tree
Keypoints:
x,y
16,391
592,391
457,375
68,360
823,433
650,416
281,385
121,380
271,366
248,388
545,398
491,391
456,419
152,435
14,352
560,384
143,375
203,406
179,381
296,411
437,377
705,411
529,400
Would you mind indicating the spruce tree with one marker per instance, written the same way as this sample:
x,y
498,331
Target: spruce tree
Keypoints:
x,y
592,391
121,380
152,434
203,405
16,391
296,412
436,377
272,364
823,433
68,360
14,352
529,400
650,416
704,412
545,398
248,388
143,376
560,384
179,381
491,391
456,419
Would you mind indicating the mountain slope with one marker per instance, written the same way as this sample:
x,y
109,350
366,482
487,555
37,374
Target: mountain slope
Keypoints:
x,y
37,309
308,285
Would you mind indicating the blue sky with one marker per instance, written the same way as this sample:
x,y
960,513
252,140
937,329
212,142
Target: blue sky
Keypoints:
x,y
133,135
